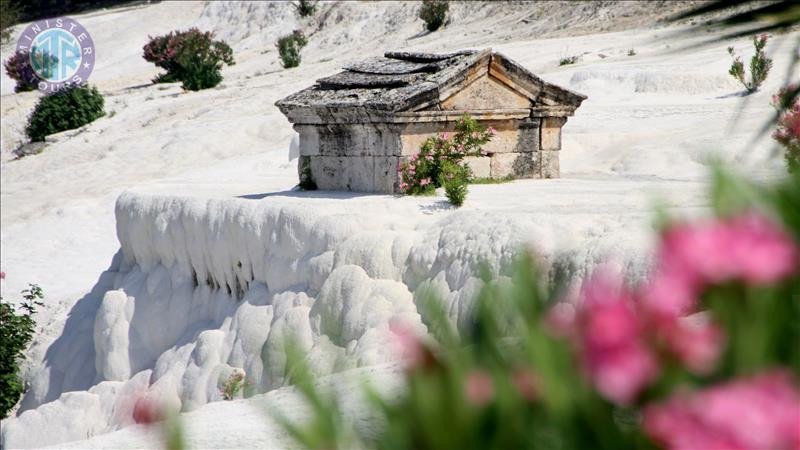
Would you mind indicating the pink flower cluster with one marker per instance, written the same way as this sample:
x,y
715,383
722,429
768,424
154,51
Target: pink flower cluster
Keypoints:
x,y
762,412
620,333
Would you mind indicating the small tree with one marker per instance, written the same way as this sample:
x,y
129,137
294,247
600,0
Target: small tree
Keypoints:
x,y
233,385
759,65
22,67
66,109
16,332
191,56
289,47
434,13
305,8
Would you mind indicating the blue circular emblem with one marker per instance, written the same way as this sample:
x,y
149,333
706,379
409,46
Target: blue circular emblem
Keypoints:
x,y
60,51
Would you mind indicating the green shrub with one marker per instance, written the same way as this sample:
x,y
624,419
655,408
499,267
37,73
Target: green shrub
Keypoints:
x,y
434,13
568,60
9,16
631,52
16,332
305,8
455,177
289,47
191,56
759,65
67,109
233,385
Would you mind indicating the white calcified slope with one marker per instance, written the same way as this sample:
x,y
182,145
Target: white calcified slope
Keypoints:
x,y
212,193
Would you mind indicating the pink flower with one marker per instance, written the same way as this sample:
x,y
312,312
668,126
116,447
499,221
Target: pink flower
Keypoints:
x,y
424,181
694,341
762,412
2,275
403,186
409,346
612,339
147,411
692,256
479,387
492,131
445,135
527,383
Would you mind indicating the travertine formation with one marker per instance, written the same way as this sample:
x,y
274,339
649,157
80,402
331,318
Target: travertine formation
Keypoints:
x,y
356,126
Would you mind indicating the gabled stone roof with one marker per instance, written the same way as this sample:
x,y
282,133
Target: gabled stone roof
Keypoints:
x,y
409,81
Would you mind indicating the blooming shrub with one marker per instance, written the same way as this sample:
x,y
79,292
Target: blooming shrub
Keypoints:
x,y
16,332
66,109
19,68
289,47
190,56
434,13
422,173
759,65
787,102
702,354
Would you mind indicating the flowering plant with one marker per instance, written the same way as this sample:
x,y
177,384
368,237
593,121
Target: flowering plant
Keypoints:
x,y
422,172
787,102
760,65
19,68
701,354
190,56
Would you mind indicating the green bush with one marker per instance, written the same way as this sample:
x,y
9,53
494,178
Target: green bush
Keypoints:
x,y
67,109
568,60
289,47
305,8
16,332
9,16
191,56
759,65
455,178
434,13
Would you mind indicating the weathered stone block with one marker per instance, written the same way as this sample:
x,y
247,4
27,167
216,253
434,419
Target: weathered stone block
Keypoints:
x,y
309,140
348,173
386,180
549,164
528,136
517,165
551,133
481,166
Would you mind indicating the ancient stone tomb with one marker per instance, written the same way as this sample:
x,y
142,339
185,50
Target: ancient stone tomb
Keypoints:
x,y
356,126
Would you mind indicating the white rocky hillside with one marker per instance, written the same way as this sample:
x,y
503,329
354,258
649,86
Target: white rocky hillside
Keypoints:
x,y
173,250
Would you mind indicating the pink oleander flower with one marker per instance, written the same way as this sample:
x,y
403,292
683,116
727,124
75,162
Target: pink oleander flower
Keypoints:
x,y
694,341
612,340
403,186
527,383
761,412
424,181
749,247
445,135
492,131
409,346
479,387
429,157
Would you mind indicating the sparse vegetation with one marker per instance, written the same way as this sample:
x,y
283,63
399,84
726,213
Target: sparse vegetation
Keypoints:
x,y
305,8
787,102
289,47
490,180
19,68
9,16
759,65
66,109
631,52
16,332
434,13
567,60
233,385
191,56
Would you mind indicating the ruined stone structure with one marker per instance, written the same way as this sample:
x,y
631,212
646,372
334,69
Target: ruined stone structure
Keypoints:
x,y
356,126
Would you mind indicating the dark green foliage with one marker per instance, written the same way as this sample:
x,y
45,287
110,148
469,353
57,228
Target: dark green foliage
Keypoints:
x,y
454,179
67,109
191,56
289,47
759,65
9,16
16,332
567,60
434,13
305,8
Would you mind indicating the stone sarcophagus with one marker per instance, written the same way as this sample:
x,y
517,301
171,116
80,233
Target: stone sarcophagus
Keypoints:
x,y
356,126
